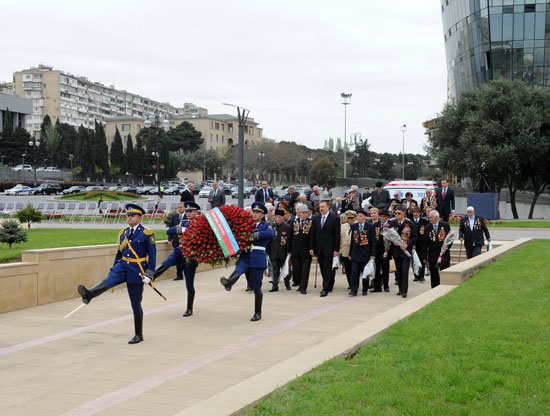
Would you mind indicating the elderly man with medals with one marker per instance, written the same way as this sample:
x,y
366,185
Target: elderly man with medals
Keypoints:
x,y
254,261
134,265
176,257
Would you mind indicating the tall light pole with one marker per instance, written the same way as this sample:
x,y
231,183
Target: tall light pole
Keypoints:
x,y
242,116
403,130
34,145
156,153
345,99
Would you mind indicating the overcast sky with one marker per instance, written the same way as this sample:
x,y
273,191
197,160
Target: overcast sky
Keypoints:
x,y
286,61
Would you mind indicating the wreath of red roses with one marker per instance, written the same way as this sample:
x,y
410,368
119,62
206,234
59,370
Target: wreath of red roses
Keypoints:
x,y
198,243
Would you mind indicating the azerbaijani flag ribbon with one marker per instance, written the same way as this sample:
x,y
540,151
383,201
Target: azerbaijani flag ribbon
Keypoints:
x,y
222,231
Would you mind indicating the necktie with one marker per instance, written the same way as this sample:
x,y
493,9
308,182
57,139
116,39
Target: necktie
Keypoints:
x,y
215,192
361,228
444,192
322,221
131,234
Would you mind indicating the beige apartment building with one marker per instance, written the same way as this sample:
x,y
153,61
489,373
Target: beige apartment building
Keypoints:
x,y
79,102
219,131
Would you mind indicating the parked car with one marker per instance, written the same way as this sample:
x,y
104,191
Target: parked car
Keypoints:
x,y
19,190
130,189
235,192
144,189
112,188
227,189
205,192
22,168
172,190
52,169
92,188
73,190
47,189
41,169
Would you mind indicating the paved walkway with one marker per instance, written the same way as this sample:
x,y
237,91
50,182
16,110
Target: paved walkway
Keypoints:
x,y
82,365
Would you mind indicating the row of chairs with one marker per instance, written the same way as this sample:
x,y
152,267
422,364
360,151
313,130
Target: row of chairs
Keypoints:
x,y
88,212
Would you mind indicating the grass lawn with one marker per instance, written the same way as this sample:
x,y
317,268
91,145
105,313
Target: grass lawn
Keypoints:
x,y
483,349
58,237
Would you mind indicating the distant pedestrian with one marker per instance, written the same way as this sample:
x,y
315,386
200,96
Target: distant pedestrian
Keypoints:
x,y
471,230
446,200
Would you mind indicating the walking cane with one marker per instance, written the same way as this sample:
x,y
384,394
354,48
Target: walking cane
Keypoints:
x,y
460,252
316,266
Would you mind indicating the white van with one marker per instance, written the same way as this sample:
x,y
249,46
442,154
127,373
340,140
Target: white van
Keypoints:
x,y
417,188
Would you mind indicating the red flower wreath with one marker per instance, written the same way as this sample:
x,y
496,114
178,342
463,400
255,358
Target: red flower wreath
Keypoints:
x,y
198,243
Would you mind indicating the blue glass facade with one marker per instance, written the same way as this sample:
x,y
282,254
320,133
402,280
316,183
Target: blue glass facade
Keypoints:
x,y
485,39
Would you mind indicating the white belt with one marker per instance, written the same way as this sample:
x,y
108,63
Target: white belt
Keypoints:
x,y
257,248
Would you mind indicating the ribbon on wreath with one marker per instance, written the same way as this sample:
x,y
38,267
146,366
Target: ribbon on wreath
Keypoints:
x,y
222,231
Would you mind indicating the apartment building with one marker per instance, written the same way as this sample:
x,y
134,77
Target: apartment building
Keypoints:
x,y
79,102
7,88
219,131
19,109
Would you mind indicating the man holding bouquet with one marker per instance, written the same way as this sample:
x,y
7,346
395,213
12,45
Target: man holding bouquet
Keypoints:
x,y
402,254
436,233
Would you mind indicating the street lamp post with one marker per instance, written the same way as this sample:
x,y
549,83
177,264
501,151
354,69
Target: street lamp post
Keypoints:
x,y
345,99
156,153
353,139
242,116
23,157
34,145
403,130
261,155
71,157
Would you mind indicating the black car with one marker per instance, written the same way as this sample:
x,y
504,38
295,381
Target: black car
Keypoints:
x,y
47,189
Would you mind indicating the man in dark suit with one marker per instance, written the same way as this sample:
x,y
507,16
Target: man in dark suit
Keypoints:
x,y
362,250
188,195
299,246
483,174
177,220
471,230
264,193
445,197
216,197
420,224
278,248
407,230
380,198
435,234
325,243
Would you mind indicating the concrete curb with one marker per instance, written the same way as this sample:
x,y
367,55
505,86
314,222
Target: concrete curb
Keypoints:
x,y
239,397
460,272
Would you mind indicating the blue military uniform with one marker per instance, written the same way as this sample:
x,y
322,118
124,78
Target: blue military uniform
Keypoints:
x,y
254,261
136,257
176,258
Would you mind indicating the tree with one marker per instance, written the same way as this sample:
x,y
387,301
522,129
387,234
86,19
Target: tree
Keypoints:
x,y
69,137
323,171
29,214
142,161
184,137
84,156
51,143
117,151
11,232
130,156
14,142
209,162
101,150
385,165
330,144
502,123
338,145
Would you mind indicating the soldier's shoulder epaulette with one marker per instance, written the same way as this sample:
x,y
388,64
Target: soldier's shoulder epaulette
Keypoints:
x,y
147,231
120,232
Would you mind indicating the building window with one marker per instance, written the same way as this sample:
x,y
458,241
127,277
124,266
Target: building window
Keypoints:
x,y
211,137
211,124
259,133
223,138
217,138
217,126
125,127
223,127
230,127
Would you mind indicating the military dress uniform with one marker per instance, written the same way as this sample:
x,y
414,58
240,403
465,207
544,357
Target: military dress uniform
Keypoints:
x,y
435,236
136,256
301,259
253,261
382,270
421,243
278,248
176,258
362,249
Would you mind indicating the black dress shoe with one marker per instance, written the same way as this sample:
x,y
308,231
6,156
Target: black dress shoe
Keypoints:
x,y
422,280
303,292
386,289
274,289
365,292
188,312
351,294
249,289
399,293
324,293
295,284
416,279
404,295
375,290
137,338
178,278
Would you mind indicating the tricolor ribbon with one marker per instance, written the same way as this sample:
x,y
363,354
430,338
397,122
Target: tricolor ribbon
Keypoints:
x,y
222,231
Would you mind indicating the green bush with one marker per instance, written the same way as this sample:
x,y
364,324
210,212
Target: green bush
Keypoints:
x,y
29,215
168,218
11,232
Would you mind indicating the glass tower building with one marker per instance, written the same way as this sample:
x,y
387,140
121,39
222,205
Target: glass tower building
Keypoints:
x,y
485,39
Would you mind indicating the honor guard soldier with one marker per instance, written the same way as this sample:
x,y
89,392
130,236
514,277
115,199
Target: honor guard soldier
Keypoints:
x,y
362,250
255,260
176,257
134,265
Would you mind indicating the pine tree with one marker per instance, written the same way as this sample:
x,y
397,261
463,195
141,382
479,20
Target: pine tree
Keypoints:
x,y
130,156
11,232
14,142
101,149
84,156
68,143
142,161
117,151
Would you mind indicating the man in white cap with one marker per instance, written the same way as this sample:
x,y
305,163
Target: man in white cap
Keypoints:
x,y
471,230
